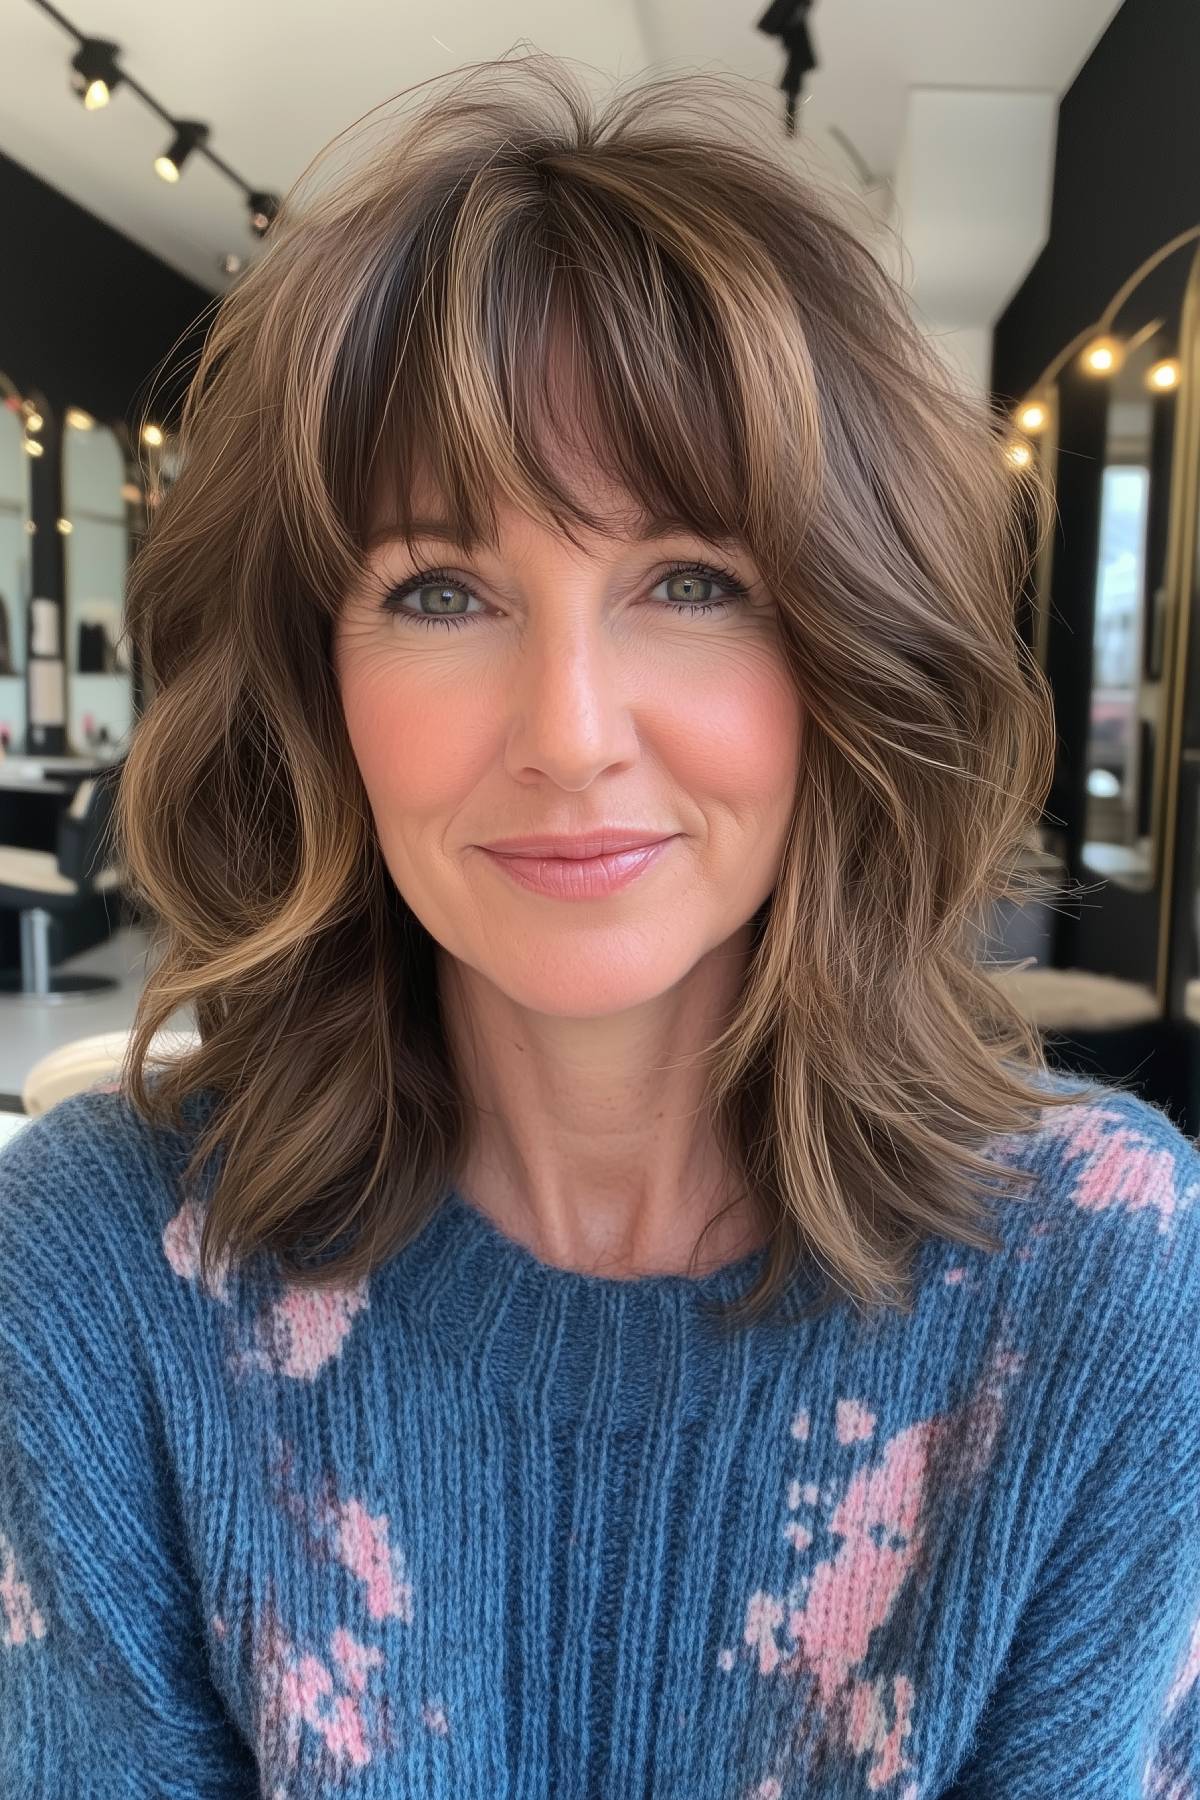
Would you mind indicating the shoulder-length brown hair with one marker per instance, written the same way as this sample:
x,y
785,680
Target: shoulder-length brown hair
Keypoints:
x,y
713,294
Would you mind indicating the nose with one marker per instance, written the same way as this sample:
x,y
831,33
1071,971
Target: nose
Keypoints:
x,y
573,698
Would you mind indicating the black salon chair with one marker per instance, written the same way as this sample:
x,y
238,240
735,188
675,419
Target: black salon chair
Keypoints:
x,y
44,884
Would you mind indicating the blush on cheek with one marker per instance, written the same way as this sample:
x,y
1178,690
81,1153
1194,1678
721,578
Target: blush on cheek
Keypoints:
x,y
739,737
412,748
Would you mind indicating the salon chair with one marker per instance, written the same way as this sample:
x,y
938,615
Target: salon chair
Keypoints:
x,y
46,884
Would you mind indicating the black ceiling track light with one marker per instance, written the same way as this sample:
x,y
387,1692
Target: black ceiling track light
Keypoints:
x,y
788,21
94,71
95,77
190,134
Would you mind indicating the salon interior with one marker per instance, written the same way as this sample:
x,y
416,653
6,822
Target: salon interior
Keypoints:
x,y
1033,174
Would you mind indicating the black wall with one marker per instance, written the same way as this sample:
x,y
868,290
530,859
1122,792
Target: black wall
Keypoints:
x,y
1126,178
86,315
87,318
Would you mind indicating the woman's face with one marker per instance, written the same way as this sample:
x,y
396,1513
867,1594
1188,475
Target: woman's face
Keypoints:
x,y
531,689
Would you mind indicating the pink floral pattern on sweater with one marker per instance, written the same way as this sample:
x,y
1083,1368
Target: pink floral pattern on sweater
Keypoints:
x,y
343,1530
181,1244
296,1334
23,1622
1163,1778
822,1628
299,1691
1112,1163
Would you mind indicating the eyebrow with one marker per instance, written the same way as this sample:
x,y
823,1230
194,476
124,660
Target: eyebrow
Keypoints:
x,y
441,531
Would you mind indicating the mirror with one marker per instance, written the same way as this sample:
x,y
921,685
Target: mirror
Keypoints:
x,y
16,557
96,551
1125,726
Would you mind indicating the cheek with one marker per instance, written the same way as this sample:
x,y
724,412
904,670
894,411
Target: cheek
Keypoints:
x,y
413,743
738,734
731,728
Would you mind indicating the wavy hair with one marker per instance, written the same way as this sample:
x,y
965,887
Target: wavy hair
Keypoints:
x,y
405,312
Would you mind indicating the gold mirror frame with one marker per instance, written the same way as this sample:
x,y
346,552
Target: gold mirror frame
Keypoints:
x,y
1045,451
1177,607
18,508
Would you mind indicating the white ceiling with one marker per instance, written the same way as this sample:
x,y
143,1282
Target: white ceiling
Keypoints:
x,y
950,104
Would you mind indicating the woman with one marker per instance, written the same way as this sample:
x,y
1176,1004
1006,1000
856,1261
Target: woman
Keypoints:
x,y
630,1315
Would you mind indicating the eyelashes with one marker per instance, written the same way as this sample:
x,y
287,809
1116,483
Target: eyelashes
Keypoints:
x,y
394,597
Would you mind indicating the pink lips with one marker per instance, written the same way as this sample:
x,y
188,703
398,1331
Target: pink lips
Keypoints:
x,y
577,877
602,840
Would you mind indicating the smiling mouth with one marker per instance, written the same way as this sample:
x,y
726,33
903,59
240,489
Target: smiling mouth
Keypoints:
x,y
576,877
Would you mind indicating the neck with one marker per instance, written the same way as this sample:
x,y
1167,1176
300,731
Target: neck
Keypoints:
x,y
591,1141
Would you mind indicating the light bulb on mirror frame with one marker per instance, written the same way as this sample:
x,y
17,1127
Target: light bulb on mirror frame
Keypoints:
x,y
1033,416
1102,356
1019,453
1164,375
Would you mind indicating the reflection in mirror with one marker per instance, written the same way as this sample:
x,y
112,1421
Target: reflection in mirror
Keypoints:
x,y
1123,717
16,561
99,679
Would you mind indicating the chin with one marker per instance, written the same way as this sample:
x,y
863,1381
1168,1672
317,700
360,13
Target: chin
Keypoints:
x,y
592,981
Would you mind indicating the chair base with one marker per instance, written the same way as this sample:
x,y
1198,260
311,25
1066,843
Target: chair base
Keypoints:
x,y
62,987
36,980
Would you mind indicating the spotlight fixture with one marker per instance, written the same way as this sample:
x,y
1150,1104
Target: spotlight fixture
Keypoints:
x,y
189,133
94,72
787,20
263,208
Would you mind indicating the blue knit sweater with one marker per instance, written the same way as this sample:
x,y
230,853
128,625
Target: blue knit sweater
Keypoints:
x,y
485,1528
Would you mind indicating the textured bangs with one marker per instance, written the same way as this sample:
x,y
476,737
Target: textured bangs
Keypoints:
x,y
557,304
519,273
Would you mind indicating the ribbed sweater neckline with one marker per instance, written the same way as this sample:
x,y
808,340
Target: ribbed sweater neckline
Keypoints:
x,y
563,1346
478,1231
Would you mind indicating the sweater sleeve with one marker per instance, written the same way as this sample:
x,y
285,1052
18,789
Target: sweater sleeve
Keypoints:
x,y
104,1683
1099,1697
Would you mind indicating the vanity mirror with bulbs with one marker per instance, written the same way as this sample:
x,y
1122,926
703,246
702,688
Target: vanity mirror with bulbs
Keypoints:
x,y
1114,424
1127,721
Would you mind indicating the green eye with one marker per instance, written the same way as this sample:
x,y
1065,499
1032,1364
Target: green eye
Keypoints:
x,y
692,595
